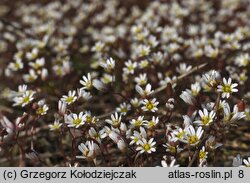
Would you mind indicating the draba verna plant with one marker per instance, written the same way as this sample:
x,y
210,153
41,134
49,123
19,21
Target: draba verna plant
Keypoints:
x,y
125,83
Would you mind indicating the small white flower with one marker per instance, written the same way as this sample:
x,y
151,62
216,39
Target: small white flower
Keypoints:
x,y
98,47
146,92
130,67
37,64
123,108
183,68
203,154
227,88
142,50
25,99
32,76
33,54
88,150
115,120
206,118
135,102
195,89
141,80
137,136
138,122
172,164
83,94
211,52
152,123
192,137
146,146
109,64
232,116
246,162
70,98
55,126
187,97
42,109
150,105
15,66
95,135
62,106
243,60
74,120
86,82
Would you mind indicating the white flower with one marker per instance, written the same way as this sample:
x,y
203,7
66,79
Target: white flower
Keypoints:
x,y
115,120
135,102
150,105
95,135
187,97
25,99
210,79
211,52
98,47
99,85
107,78
203,154
74,120
142,50
109,64
138,122
183,68
55,126
206,118
243,60
141,80
192,137
62,106
137,136
172,164
32,76
38,63
152,123
83,94
90,119
42,109
178,134
88,150
227,88
130,67
232,116
123,108
33,54
247,162
16,65
86,82
146,92
70,98
195,89
146,146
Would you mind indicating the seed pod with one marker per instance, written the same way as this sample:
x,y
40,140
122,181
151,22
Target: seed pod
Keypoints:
x,y
241,105
169,90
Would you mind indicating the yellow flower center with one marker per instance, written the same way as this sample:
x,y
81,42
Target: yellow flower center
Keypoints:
x,y
205,120
146,147
70,99
26,100
202,155
193,139
227,89
77,121
149,105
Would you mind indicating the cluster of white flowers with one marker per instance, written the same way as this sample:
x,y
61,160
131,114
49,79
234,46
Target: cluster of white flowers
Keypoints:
x,y
122,83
